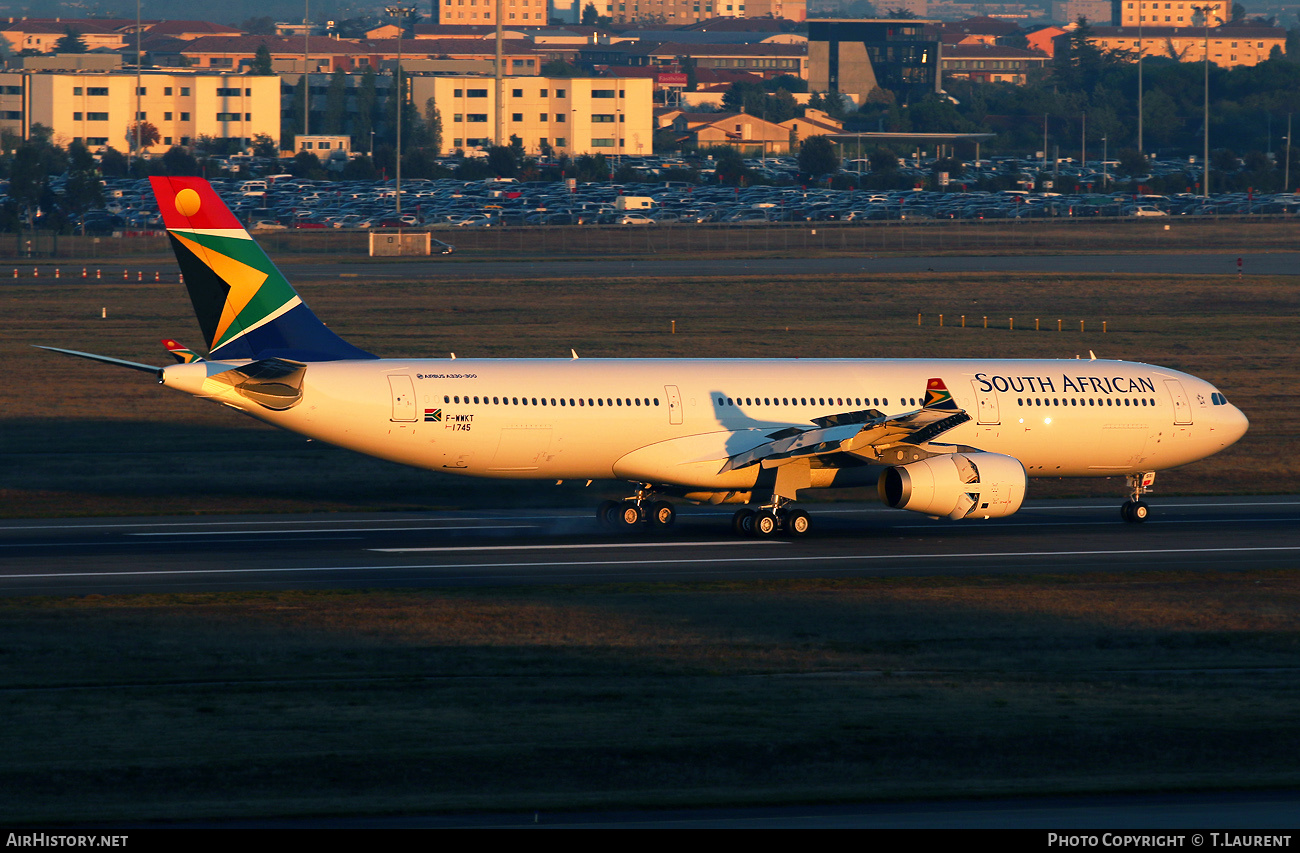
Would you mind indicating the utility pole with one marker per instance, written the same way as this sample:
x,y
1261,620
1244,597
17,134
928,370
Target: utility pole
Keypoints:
x,y
402,13
138,152
500,83
306,71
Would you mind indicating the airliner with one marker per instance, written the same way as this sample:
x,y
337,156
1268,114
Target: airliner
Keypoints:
x,y
946,438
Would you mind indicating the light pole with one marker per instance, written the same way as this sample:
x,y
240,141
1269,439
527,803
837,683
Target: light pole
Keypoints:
x,y
1286,172
137,79
1105,176
306,71
1140,51
402,13
1205,13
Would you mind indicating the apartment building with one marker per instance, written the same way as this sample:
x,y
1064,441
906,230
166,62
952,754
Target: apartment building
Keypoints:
x,y
598,115
1173,13
1229,47
98,108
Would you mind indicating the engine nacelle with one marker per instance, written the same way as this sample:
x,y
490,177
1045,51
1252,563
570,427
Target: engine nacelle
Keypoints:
x,y
957,485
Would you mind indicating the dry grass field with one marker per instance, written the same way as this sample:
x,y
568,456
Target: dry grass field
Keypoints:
x,y
325,703
329,703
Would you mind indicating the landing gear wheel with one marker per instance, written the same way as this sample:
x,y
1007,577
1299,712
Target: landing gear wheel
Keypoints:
x,y
607,513
662,514
766,523
1135,512
629,516
742,523
797,522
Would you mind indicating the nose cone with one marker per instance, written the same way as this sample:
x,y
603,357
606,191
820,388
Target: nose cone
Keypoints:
x,y
1233,424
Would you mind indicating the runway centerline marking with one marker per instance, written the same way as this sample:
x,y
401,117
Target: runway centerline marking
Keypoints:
x,y
684,544
336,530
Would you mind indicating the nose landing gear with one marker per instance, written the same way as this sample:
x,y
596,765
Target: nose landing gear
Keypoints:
x,y
1135,510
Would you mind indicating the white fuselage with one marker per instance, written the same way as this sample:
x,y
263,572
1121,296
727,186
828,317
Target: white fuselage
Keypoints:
x,y
675,422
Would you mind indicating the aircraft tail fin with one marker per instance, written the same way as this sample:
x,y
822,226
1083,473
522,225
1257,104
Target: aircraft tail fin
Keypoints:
x,y
245,306
938,397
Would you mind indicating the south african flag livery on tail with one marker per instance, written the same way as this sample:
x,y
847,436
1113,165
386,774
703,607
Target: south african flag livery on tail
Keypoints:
x,y
245,307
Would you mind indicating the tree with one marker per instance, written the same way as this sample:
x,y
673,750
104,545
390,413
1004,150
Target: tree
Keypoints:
x,y
729,165
300,96
336,102
501,161
883,160
84,189
305,164
149,135
817,156
367,99
359,169
560,68
780,107
262,61
433,124
590,17
264,146
70,42
1079,62
112,163
178,161
264,26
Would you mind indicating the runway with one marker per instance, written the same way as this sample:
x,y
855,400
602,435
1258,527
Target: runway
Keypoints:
x,y
460,549
1220,263
303,268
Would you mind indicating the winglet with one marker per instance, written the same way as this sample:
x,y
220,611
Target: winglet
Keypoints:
x,y
937,396
182,354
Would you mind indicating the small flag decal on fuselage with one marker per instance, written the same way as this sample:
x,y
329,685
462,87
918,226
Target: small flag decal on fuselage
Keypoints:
x,y
434,415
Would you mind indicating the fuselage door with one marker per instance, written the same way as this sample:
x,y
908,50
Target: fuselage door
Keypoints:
x,y
1182,408
987,404
403,391
674,404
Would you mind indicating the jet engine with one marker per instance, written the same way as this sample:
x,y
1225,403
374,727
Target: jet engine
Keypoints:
x,y
956,485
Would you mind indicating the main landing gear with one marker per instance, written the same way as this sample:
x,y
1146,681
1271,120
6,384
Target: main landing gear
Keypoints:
x,y
771,520
634,511
1136,510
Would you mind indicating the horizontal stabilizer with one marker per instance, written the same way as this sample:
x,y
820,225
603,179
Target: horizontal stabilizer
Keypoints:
x,y
180,352
120,362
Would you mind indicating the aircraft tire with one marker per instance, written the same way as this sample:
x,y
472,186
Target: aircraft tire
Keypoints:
x,y
1140,512
662,514
766,524
797,523
629,516
1126,511
607,513
742,523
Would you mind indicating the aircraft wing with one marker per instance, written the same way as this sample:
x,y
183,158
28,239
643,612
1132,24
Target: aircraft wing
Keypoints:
x,y
862,433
